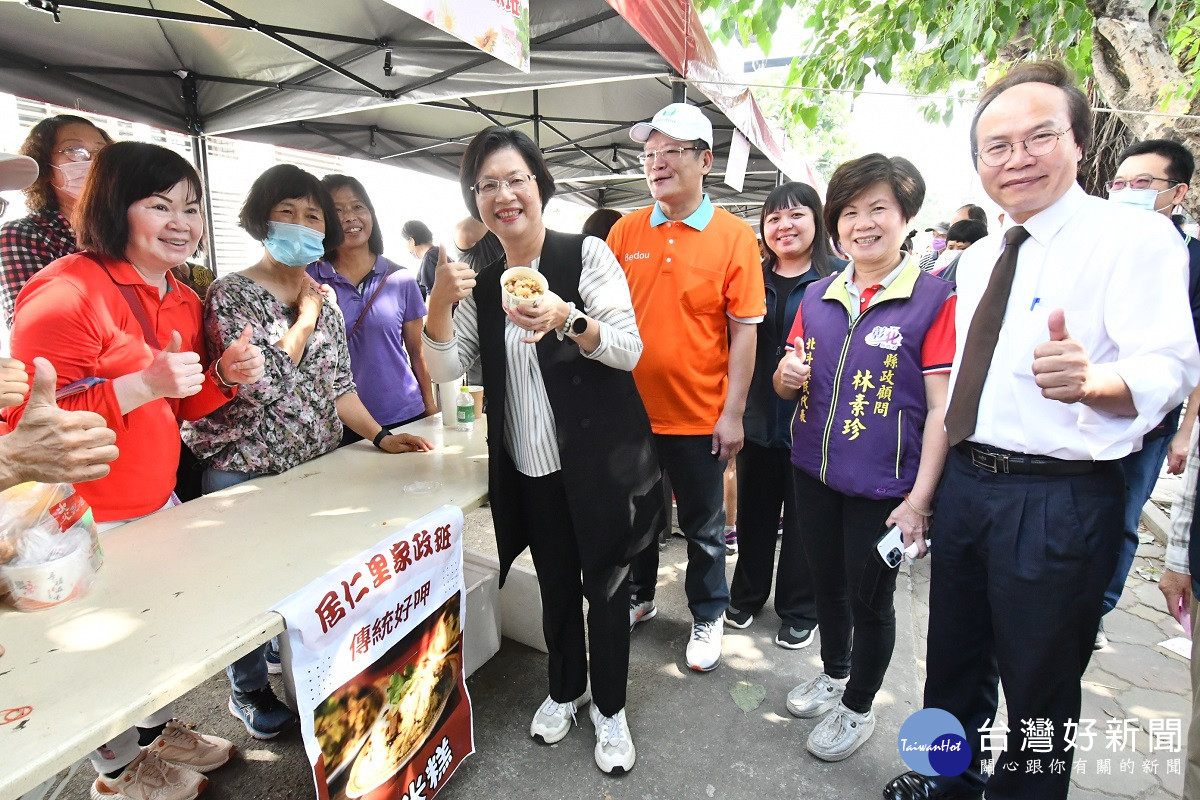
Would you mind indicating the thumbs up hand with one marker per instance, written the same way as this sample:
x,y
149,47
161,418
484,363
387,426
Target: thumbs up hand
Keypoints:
x,y
793,368
452,281
173,373
1060,366
242,362
53,445
14,382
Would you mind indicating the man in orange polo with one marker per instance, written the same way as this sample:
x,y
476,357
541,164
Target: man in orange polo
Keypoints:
x,y
695,276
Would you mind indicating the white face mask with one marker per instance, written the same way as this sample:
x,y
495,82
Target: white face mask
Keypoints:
x,y
1138,198
74,174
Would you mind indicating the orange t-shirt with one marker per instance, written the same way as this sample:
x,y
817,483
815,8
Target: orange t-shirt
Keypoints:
x,y
686,284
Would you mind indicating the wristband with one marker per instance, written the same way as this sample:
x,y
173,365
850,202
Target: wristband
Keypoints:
x,y
379,437
221,378
920,511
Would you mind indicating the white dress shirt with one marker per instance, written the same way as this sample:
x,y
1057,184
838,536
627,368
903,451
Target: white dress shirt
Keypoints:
x,y
1120,275
529,433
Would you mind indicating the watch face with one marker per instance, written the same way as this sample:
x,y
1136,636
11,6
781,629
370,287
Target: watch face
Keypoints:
x,y
579,325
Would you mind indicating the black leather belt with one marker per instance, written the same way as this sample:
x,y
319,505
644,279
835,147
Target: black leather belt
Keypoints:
x,y
1006,462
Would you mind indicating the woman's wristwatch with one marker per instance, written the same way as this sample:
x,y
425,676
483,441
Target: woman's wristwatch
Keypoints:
x,y
380,436
575,325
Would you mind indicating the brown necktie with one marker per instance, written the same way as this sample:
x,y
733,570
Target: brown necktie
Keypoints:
x,y
981,340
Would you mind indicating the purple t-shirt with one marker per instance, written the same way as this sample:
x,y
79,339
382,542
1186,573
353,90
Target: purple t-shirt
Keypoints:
x,y
378,358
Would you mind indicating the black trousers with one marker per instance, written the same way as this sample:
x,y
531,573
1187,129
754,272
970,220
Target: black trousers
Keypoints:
x,y
1020,564
765,489
697,480
854,589
563,583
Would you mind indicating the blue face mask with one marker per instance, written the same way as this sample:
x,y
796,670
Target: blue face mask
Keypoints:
x,y
294,245
1138,198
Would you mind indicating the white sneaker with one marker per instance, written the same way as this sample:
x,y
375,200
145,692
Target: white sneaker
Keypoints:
x,y
615,752
816,697
553,720
704,648
641,611
841,733
148,777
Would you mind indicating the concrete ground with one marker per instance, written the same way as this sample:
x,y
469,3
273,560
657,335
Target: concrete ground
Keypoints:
x,y
694,741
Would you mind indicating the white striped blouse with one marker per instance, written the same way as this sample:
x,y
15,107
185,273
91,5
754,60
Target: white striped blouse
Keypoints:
x,y
528,419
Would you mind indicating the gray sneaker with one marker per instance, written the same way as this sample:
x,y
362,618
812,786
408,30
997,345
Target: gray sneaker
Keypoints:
x,y
841,733
553,720
1101,637
816,697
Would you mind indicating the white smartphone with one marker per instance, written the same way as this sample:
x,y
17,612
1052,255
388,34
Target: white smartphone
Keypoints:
x,y
891,547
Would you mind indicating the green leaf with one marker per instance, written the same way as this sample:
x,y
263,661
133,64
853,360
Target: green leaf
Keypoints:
x,y
809,115
748,696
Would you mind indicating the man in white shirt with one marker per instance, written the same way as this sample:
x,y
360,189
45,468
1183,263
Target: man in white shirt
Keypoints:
x,y
1070,349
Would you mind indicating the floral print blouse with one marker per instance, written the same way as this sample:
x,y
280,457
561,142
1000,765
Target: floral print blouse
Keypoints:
x,y
288,417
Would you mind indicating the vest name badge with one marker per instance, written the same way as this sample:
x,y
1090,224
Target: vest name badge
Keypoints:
x,y
886,336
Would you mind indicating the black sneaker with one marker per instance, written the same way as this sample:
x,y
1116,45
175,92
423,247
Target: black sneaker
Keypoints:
x,y
261,712
738,619
1101,637
794,638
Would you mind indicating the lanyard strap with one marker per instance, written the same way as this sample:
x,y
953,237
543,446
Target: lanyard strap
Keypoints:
x,y
371,301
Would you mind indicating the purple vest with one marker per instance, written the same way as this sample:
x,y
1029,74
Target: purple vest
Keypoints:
x,y
861,416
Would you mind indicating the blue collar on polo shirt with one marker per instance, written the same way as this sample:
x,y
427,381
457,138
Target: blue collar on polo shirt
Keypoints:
x,y
698,219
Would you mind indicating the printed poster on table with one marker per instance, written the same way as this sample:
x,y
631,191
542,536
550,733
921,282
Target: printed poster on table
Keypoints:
x,y
377,660
497,27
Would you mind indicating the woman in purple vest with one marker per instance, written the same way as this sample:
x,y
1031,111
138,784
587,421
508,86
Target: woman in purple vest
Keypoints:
x,y
870,362
796,254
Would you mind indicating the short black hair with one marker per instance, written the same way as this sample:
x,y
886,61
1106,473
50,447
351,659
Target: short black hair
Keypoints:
x,y
39,145
600,222
333,183
287,182
856,176
1180,162
417,231
966,230
488,141
122,174
791,195
1052,73
975,212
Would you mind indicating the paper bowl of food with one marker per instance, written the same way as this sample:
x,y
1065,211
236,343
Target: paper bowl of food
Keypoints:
x,y
522,286
53,583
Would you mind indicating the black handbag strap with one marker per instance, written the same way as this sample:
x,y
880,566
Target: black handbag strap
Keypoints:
x,y
135,305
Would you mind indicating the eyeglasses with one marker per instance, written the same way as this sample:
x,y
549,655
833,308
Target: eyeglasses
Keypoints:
x,y
1139,182
3,206
490,186
78,153
668,154
1037,144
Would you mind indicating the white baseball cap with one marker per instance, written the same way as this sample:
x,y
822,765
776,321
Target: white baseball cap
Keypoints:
x,y
16,172
679,121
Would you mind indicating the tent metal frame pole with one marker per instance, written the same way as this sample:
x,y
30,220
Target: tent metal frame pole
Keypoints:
x,y
200,159
537,127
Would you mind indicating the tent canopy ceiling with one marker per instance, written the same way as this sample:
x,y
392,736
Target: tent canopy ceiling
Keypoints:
x,y
310,74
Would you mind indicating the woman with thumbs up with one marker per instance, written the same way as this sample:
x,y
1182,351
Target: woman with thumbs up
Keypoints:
x,y
126,340
870,361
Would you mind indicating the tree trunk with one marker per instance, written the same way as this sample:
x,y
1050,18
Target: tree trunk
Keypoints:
x,y
1132,68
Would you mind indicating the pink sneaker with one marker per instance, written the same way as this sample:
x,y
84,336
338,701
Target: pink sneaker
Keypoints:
x,y
148,777
182,746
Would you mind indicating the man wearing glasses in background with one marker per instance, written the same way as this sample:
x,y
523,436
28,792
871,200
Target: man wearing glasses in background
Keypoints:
x,y
1154,175
1073,342
696,280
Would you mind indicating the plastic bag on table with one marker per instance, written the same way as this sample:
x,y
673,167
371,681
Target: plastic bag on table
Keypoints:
x,y
49,549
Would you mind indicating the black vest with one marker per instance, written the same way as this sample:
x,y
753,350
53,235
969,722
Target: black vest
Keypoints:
x,y
609,464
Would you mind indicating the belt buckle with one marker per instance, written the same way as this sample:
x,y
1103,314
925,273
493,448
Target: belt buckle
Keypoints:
x,y
992,462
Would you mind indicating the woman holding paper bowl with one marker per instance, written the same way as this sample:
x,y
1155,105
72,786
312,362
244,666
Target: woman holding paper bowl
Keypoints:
x,y
572,470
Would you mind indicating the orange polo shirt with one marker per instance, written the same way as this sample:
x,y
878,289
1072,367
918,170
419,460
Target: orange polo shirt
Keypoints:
x,y
687,278
74,316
